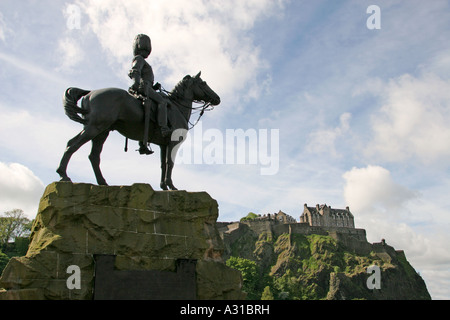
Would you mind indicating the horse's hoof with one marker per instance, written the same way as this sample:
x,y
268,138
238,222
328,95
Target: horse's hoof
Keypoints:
x,y
66,179
163,186
171,186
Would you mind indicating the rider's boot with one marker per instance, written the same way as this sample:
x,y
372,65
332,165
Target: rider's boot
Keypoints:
x,y
162,120
143,145
143,148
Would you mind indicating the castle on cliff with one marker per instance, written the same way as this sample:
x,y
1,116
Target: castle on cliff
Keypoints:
x,y
321,219
318,216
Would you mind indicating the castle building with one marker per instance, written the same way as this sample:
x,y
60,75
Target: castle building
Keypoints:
x,y
279,217
325,216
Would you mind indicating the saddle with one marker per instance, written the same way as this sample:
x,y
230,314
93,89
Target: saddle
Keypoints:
x,y
153,107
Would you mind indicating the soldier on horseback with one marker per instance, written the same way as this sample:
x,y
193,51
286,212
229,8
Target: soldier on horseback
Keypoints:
x,y
142,74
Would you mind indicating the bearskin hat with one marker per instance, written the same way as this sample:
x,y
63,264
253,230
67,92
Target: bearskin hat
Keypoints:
x,y
142,42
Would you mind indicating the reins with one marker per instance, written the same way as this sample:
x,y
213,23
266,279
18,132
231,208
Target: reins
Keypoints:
x,y
205,107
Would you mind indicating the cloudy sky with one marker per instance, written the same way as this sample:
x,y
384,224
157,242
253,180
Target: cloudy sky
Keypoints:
x,y
341,113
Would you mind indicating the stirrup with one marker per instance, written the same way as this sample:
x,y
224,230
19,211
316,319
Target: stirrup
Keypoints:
x,y
145,150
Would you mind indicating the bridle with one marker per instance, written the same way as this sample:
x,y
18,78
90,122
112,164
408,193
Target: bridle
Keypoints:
x,y
200,109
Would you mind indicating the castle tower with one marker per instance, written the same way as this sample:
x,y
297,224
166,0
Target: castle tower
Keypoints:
x,y
325,216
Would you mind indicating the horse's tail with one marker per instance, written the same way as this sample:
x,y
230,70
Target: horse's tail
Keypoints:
x,y
70,99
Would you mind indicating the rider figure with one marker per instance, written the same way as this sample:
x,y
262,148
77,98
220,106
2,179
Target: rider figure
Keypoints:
x,y
142,74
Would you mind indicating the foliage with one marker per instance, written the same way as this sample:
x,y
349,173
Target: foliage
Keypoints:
x,y
18,248
13,224
304,265
267,294
249,271
250,216
3,261
406,266
14,230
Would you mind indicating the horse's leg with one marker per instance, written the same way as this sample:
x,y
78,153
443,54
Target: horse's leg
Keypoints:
x,y
64,161
170,165
94,156
163,184
72,146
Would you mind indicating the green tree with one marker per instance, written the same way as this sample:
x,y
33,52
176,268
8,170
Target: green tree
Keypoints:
x,y
267,294
13,224
250,216
249,271
3,261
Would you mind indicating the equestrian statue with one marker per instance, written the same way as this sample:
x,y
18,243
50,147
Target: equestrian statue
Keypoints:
x,y
142,114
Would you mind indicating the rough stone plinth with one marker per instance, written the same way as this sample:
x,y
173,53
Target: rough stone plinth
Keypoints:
x,y
142,228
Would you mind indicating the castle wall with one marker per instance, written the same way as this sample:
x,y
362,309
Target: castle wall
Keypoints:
x,y
260,226
358,234
277,229
233,232
358,244
382,247
298,228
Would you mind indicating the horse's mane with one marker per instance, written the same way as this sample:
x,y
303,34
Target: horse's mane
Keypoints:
x,y
178,92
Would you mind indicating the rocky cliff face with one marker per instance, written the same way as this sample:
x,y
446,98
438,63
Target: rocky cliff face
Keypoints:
x,y
312,266
130,230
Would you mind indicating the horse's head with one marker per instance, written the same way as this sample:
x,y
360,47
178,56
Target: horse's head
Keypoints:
x,y
202,92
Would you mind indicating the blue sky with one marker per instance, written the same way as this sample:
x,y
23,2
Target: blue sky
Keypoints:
x,y
362,115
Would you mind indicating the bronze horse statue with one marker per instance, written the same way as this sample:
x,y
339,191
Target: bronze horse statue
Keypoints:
x,y
105,110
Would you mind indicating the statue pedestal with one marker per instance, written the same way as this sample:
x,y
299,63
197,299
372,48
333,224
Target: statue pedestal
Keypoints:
x,y
122,242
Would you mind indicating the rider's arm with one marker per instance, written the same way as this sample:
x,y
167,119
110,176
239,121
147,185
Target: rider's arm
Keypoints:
x,y
136,69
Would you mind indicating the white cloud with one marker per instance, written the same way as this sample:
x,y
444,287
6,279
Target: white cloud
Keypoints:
x,y
413,120
2,28
380,204
437,281
372,189
19,188
32,69
323,141
35,134
209,36
71,53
